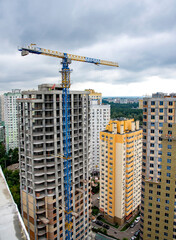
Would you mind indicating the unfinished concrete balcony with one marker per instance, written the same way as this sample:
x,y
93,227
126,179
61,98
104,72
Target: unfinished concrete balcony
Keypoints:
x,y
49,139
50,178
38,132
41,232
51,192
38,115
38,141
49,115
50,162
39,180
40,210
40,203
50,170
39,172
40,187
48,99
48,107
40,195
38,149
38,157
51,185
40,225
49,148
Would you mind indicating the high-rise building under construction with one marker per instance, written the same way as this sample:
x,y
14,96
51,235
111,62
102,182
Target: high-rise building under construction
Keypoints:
x,y
158,204
42,174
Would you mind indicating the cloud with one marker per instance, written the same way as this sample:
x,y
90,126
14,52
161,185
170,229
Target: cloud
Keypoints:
x,y
139,35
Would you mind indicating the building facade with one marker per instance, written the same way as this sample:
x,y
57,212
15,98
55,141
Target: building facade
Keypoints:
x,y
10,118
1,108
94,96
158,208
120,170
42,175
99,118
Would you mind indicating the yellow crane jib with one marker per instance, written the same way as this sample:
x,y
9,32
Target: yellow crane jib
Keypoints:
x,y
37,50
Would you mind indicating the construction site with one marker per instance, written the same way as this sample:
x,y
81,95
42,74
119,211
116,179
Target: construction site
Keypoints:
x,y
54,150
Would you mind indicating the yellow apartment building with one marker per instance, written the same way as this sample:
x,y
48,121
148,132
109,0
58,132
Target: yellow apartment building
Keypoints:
x,y
94,95
120,170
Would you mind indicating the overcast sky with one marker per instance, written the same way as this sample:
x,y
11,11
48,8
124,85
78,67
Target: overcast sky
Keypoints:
x,y
138,34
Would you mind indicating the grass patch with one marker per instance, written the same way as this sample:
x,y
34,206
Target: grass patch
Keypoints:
x,y
95,210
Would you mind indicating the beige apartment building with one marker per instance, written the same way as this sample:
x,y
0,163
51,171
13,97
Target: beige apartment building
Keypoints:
x,y
158,204
120,170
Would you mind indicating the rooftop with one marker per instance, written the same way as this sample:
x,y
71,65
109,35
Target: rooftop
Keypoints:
x,y
11,223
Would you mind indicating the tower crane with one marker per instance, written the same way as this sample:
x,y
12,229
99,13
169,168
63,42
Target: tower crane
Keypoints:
x,y
65,72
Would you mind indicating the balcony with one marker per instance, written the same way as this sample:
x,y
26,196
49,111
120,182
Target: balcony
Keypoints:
x,y
39,172
40,203
51,185
40,187
40,210
41,232
35,149
39,180
38,157
50,178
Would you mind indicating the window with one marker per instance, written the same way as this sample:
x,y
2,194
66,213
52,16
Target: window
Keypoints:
x,y
160,124
161,117
168,160
152,102
152,109
168,174
168,188
170,118
168,153
161,103
167,201
159,166
168,167
159,159
159,152
158,200
152,117
161,110
169,146
170,103
169,125
167,195
168,181
170,110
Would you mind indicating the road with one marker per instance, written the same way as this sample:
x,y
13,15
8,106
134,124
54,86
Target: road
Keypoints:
x,y
126,234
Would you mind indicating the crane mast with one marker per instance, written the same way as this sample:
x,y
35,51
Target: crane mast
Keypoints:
x,y
66,106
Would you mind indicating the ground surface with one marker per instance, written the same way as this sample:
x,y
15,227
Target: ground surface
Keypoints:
x,y
126,234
